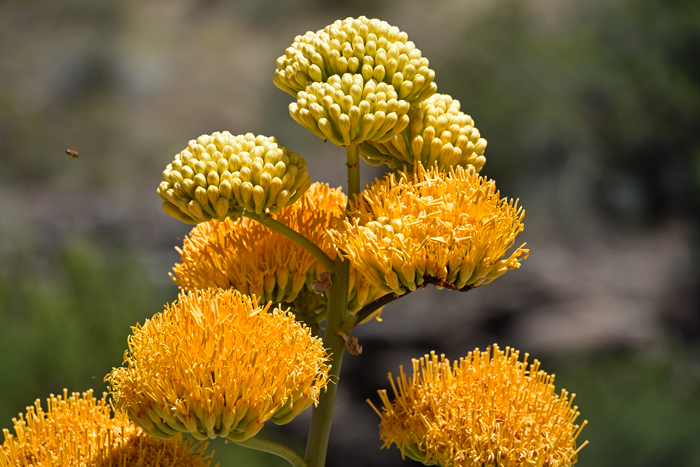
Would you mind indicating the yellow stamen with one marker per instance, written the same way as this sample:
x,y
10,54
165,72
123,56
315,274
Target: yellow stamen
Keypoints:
x,y
488,406
80,431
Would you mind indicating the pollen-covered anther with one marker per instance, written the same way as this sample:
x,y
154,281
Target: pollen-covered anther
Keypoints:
x,y
370,48
438,133
80,431
348,110
246,256
215,364
449,229
221,175
489,408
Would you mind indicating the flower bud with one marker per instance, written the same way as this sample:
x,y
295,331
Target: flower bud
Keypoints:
x,y
438,132
370,48
222,171
360,116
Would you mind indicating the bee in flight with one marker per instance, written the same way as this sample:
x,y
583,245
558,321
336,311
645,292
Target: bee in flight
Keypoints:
x,y
72,153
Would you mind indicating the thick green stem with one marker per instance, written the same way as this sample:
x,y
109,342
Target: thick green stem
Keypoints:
x,y
352,151
322,415
294,236
277,449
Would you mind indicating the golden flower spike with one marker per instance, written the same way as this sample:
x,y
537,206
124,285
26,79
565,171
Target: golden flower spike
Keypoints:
x,y
487,409
215,364
438,133
447,229
246,256
370,48
80,431
220,175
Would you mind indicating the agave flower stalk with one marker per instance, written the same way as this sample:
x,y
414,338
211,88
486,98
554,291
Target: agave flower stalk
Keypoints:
x,y
358,83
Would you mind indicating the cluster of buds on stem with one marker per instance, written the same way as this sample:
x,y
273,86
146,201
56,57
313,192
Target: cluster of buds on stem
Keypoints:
x,y
368,47
221,175
348,111
438,133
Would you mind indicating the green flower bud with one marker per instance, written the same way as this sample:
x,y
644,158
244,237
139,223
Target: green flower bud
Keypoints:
x,y
221,175
349,111
438,132
370,48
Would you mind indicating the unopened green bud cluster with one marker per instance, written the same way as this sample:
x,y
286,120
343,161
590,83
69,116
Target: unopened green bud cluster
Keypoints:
x,y
361,82
438,133
368,47
348,110
221,175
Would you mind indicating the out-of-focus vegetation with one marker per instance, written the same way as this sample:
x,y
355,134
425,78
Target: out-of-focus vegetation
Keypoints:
x,y
592,114
596,99
643,407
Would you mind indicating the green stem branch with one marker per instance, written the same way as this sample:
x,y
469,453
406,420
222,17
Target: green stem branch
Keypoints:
x,y
294,236
277,449
352,151
322,416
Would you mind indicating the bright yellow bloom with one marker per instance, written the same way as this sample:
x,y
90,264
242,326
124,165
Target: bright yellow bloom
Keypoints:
x,y
349,111
486,409
247,256
221,175
79,431
449,229
215,364
370,48
438,133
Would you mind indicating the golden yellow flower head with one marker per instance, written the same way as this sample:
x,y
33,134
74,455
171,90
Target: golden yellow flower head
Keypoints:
x,y
487,409
220,175
449,229
79,431
348,110
215,364
367,47
438,133
246,256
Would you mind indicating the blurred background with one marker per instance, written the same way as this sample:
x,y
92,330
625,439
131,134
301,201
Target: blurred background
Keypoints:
x,y
592,114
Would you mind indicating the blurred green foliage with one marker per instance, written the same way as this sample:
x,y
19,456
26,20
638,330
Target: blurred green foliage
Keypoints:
x,y
65,322
642,408
596,102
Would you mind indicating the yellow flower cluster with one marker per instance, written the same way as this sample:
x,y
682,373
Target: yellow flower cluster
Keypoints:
x,y
220,175
486,409
450,229
215,364
349,111
246,256
438,133
79,431
370,48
